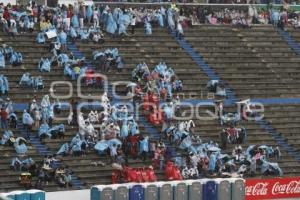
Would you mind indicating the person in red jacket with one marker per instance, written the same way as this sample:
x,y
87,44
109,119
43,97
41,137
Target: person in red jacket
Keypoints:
x,y
3,115
6,14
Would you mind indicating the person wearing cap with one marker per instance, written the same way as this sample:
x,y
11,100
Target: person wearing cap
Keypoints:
x,y
27,123
33,106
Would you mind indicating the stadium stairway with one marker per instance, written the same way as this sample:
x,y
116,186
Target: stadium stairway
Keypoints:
x,y
289,39
201,63
43,151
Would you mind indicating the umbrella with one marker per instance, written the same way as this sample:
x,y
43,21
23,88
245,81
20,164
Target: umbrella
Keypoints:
x,y
131,84
101,146
214,149
263,147
114,141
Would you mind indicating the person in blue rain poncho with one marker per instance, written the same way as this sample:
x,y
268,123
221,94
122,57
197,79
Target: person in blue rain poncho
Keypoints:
x,y
16,59
62,38
4,85
101,146
168,111
2,60
212,162
44,65
26,80
6,136
73,34
111,25
144,147
40,38
268,168
124,129
78,149
134,130
20,146
62,59
64,150
160,19
120,63
16,164
68,71
27,122
123,23
84,34
148,28
170,20
75,21
37,82
44,130
89,13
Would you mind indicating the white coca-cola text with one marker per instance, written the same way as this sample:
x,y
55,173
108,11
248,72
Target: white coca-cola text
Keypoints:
x,y
257,189
293,187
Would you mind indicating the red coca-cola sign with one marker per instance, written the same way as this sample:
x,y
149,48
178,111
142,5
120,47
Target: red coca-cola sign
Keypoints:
x,y
275,188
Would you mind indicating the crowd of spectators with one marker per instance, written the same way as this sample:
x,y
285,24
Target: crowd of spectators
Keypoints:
x,y
118,136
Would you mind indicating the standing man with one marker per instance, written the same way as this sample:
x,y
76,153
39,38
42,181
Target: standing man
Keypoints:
x,y
132,24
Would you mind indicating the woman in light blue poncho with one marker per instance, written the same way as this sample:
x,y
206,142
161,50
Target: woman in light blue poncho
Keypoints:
x,y
160,19
63,150
26,80
148,28
122,24
40,38
75,21
144,147
73,34
44,65
111,25
171,22
62,37
6,136
134,128
212,162
4,87
89,13
43,130
20,146
2,60
124,129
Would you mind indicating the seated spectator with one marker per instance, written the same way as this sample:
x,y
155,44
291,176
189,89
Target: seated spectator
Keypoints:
x,y
20,146
44,65
2,60
6,137
40,38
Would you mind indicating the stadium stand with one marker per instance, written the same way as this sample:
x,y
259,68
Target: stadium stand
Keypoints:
x,y
256,63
